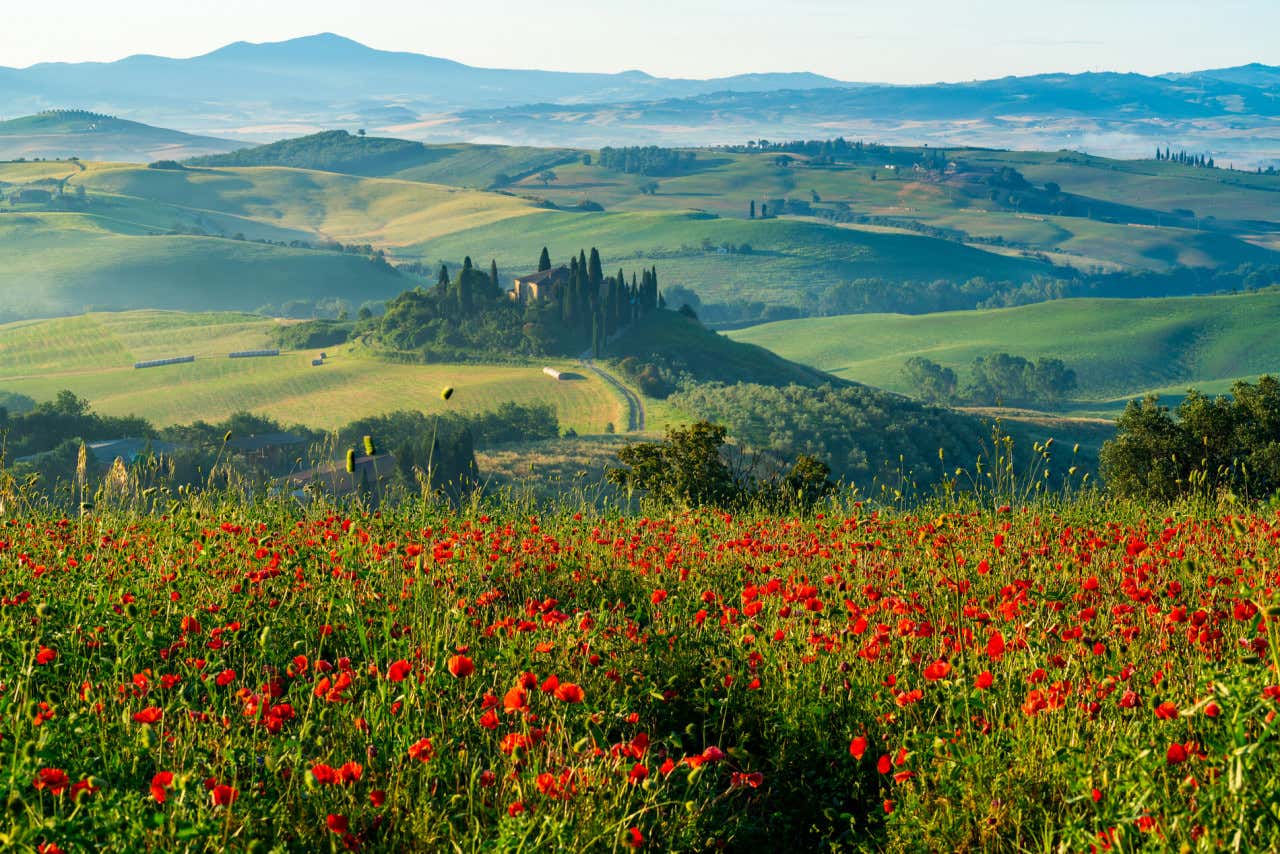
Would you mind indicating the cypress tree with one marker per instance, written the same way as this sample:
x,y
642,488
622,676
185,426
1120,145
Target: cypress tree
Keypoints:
x,y
752,213
466,286
595,274
493,275
442,281
544,260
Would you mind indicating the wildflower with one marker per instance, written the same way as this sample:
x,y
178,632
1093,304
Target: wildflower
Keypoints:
x,y
984,680
159,783
53,779
1176,754
336,823
634,837
937,670
223,795
515,700
460,666
858,746
149,715
422,750
568,692
399,670
45,655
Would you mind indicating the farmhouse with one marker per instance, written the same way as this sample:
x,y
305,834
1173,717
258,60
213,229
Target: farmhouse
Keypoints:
x,y
540,285
368,479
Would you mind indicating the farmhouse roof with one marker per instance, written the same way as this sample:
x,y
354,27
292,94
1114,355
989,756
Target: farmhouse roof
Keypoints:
x,y
263,441
128,449
544,275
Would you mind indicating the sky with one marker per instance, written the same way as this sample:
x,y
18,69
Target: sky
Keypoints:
x,y
917,42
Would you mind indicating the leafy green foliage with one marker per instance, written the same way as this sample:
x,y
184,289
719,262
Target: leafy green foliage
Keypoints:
x,y
646,160
1231,442
687,469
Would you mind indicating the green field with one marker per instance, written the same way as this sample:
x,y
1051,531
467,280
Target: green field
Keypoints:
x,y
1119,349
787,258
93,356
141,238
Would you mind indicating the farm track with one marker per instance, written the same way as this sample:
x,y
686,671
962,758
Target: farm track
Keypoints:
x,y
635,406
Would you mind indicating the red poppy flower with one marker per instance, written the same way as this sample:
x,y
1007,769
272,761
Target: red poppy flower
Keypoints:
x,y
159,783
45,655
885,765
399,670
460,666
858,746
377,797
149,715
336,823
324,774
1176,754
225,678
937,670
53,779
223,795
635,838
515,700
568,692
422,750
984,680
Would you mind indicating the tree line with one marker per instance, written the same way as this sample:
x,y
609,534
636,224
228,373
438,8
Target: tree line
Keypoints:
x,y
1000,379
649,160
1205,446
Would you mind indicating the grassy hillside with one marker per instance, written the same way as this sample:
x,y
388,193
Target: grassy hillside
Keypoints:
x,y
60,263
388,213
1119,348
338,151
92,136
772,260
93,356
710,356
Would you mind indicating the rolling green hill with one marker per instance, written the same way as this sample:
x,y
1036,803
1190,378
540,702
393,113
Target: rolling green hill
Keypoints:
x,y
92,136
1119,349
338,151
776,261
65,263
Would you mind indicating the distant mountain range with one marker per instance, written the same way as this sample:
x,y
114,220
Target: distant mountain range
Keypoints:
x,y
263,92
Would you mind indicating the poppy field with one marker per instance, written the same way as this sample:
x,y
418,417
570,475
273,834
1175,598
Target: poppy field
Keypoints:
x,y
1085,675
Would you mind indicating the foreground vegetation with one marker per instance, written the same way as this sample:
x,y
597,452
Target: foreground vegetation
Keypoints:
x,y
232,676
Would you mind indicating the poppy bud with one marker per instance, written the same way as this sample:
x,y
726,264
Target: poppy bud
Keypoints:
x,y
446,392
369,449
351,460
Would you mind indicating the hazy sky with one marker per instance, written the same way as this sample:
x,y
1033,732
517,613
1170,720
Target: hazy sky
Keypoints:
x,y
921,41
